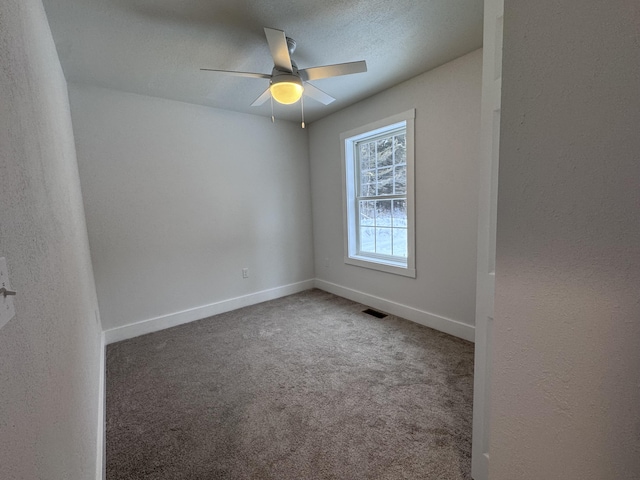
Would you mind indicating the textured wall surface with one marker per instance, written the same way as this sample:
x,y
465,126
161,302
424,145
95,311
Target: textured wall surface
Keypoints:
x,y
566,368
447,126
179,198
49,352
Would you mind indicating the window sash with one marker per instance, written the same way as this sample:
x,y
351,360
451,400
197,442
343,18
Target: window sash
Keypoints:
x,y
358,198
374,139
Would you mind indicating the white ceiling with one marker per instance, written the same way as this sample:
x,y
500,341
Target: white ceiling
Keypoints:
x,y
156,47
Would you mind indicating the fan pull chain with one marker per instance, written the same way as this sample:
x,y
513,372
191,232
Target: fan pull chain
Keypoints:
x,y
302,106
273,118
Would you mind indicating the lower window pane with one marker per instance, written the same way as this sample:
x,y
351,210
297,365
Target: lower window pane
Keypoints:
x,y
384,239
400,242
367,212
383,213
368,239
400,213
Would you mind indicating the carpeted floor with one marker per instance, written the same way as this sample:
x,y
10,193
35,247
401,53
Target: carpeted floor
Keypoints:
x,y
303,387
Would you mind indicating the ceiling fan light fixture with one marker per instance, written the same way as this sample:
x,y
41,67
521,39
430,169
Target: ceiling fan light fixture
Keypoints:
x,y
286,89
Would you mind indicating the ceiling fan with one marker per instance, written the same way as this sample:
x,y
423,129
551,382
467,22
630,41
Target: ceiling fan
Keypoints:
x,y
287,84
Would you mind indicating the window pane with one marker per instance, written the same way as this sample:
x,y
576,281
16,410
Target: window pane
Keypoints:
x,y
400,180
367,212
367,176
367,159
385,151
400,149
400,213
383,213
385,181
400,242
383,241
368,190
363,155
368,239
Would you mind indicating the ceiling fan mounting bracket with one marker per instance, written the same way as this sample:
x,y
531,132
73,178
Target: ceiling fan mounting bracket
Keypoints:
x,y
275,73
291,45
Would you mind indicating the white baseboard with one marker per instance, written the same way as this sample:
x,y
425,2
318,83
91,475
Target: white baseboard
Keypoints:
x,y
442,324
100,442
178,318
437,322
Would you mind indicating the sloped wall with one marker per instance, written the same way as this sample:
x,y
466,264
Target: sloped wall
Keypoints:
x,y
50,351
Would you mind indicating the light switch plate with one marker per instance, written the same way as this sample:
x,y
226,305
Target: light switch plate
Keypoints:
x,y
7,312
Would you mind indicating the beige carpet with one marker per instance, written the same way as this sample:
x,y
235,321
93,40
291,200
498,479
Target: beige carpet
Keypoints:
x,y
303,387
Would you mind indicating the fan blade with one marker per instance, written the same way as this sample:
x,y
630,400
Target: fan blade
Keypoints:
x,y
279,50
317,94
315,73
262,98
239,74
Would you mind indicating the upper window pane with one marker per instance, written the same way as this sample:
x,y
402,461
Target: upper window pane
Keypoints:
x,y
400,180
400,149
367,160
385,181
384,152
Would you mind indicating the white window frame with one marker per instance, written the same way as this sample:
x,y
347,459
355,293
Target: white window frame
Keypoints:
x,y
349,179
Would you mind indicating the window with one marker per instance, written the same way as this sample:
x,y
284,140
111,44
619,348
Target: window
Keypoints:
x,y
378,201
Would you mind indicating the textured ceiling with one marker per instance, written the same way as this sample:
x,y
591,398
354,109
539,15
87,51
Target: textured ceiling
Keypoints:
x,y
156,47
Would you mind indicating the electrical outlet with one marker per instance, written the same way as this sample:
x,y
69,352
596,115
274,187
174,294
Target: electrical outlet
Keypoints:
x,y
7,311
326,262
245,273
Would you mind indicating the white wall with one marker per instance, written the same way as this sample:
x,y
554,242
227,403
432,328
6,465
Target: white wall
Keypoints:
x,y
447,103
566,367
179,198
50,351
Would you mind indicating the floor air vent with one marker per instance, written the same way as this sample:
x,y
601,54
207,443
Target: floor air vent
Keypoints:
x,y
374,313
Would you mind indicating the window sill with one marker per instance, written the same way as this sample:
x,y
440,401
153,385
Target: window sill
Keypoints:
x,y
381,266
